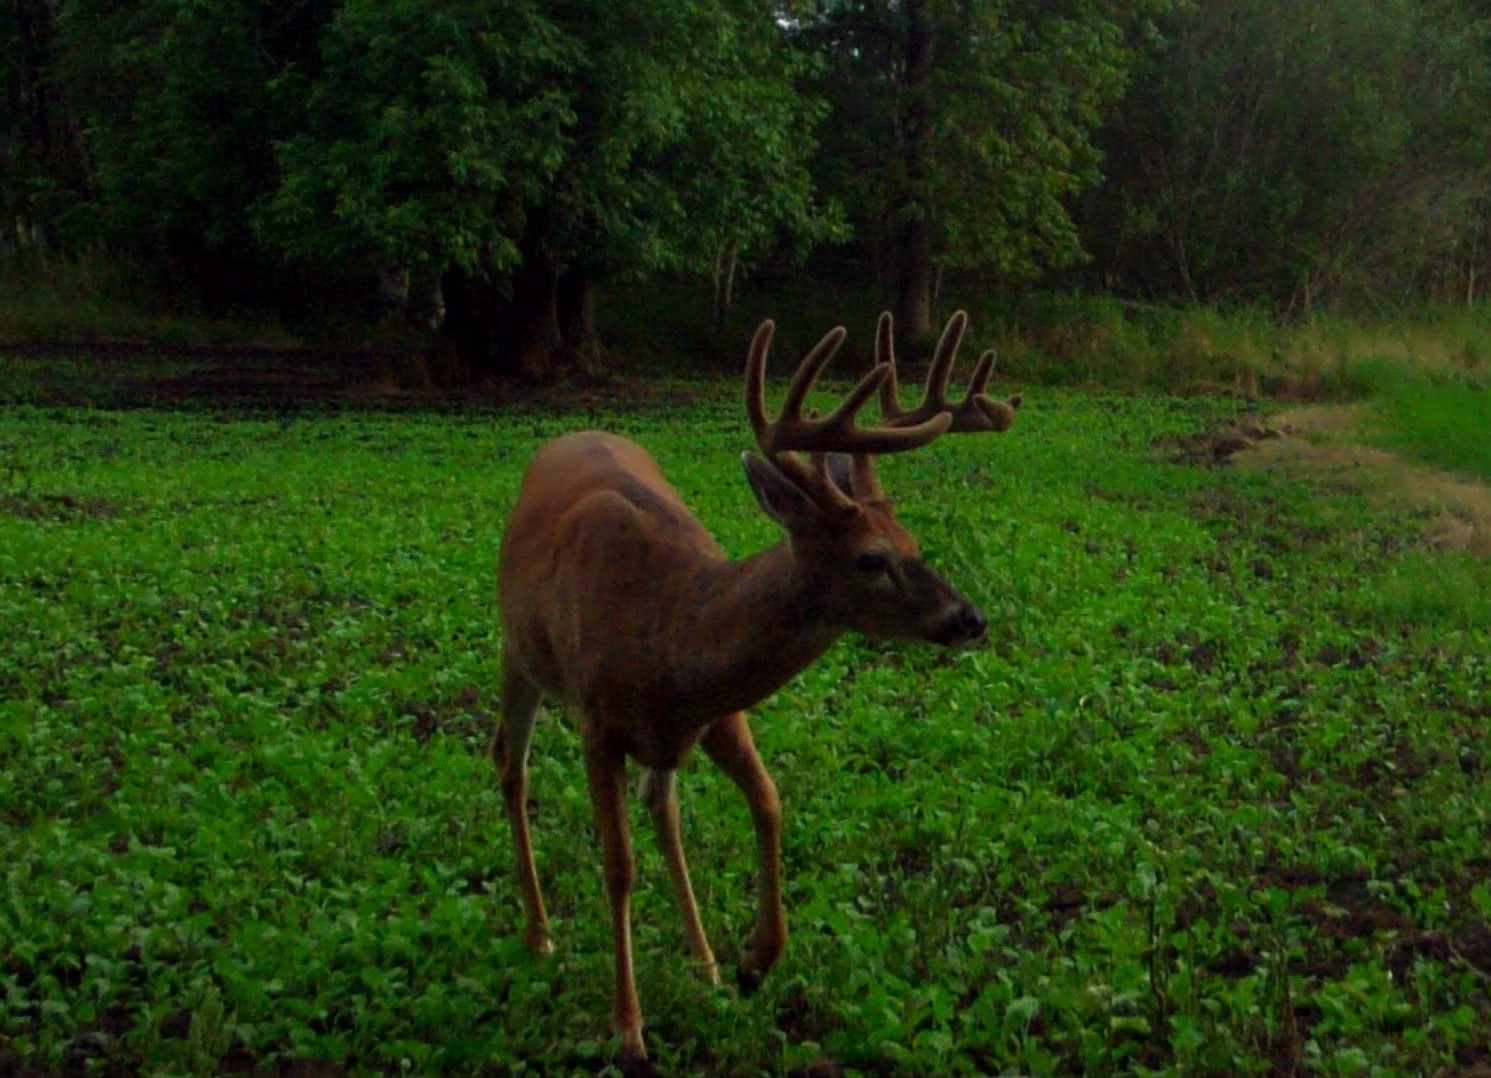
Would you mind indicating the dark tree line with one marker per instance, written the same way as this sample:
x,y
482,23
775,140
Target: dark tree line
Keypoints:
x,y
496,162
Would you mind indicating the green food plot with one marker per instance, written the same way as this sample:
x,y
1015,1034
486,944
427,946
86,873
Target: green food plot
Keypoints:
x,y
1213,800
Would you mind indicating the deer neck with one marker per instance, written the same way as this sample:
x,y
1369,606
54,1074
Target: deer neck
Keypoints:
x,y
753,625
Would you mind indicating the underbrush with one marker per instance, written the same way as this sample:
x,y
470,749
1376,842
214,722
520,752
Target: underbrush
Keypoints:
x,y
95,298
1213,800
1094,341
664,325
1068,339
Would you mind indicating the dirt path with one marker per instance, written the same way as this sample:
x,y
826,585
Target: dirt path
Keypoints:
x,y
1326,441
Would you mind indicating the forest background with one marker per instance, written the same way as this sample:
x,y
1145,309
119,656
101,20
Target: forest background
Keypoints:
x,y
524,186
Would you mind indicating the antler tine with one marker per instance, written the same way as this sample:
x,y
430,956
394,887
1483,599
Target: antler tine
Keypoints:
x,y
982,371
863,390
866,479
885,354
934,400
942,359
975,412
755,379
808,370
836,432
978,411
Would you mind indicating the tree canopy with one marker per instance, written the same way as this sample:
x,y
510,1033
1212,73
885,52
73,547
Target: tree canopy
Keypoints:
x,y
513,156
1304,152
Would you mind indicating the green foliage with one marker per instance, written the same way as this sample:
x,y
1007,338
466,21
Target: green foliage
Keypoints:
x,y
1023,89
174,108
1223,186
1014,100
691,138
280,154
334,136
423,136
1205,802
620,138
1452,589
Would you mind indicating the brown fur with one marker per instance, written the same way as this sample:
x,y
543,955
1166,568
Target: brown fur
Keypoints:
x,y
617,602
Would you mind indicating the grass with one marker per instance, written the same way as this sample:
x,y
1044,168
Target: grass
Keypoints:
x,y
1213,801
1440,417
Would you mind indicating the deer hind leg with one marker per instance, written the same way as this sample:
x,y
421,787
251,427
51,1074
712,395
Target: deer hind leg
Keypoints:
x,y
605,770
510,753
660,795
729,744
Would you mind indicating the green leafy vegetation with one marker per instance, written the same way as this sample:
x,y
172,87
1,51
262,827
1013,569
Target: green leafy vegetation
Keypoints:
x,y
1213,799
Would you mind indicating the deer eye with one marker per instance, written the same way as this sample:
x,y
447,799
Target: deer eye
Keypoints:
x,y
870,563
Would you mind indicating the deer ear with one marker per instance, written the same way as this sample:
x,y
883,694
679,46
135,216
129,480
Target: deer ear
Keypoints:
x,y
841,472
782,499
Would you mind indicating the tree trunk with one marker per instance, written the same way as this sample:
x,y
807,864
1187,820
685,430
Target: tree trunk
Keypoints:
x,y
515,331
724,286
531,341
913,227
576,297
474,308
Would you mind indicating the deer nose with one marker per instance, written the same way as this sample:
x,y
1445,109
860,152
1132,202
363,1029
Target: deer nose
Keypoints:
x,y
965,623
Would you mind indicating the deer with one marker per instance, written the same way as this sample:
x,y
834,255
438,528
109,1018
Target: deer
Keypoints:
x,y
617,603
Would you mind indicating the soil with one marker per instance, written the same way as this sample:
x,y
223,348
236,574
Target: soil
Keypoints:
x,y
130,373
1323,441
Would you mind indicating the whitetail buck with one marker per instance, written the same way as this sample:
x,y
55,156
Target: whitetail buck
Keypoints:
x,y
617,602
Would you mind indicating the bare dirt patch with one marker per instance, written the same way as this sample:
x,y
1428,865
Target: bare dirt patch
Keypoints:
x,y
1323,441
136,374
58,508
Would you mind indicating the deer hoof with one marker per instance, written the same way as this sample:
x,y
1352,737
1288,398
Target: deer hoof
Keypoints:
x,y
632,1061
747,979
539,941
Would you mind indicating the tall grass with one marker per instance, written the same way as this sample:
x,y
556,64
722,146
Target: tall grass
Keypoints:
x,y
1064,338
666,324
94,297
1102,341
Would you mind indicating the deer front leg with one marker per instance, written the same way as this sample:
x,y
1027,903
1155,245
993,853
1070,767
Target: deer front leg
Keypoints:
x,y
605,770
728,743
510,754
660,795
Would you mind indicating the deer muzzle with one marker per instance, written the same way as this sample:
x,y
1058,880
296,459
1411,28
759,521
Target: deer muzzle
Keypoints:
x,y
963,624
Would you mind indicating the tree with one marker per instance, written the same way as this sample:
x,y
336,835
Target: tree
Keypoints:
x,y
1303,154
174,96
519,151
421,137
42,163
525,152
965,128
